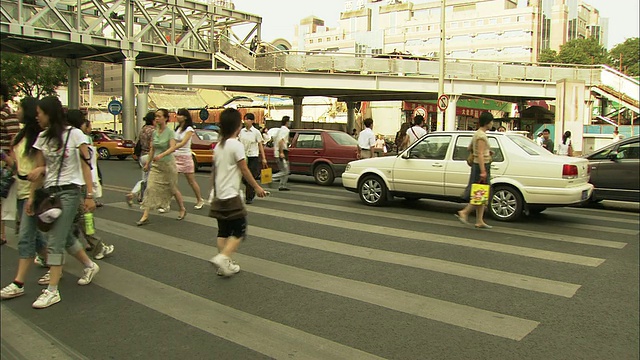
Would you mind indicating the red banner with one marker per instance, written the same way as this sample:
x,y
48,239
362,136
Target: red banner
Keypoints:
x,y
432,108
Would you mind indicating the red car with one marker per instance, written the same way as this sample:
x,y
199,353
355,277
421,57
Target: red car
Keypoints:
x,y
324,154
110,144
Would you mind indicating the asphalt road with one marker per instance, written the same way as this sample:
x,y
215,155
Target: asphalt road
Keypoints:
x,y
325,277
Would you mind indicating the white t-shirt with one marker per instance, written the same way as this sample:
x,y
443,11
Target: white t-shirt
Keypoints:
x,y
366,139
564,149
283,133
71,169
250,139
419,132
228,173
179,135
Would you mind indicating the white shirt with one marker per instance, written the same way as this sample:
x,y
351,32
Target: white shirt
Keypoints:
x,y
71,169
564,149
179,135
366,139
539,140
283,133
419,132
250,139
228,173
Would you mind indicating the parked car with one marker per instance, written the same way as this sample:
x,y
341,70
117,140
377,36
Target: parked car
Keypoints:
x,y
525,177
110,144
615,171
324,154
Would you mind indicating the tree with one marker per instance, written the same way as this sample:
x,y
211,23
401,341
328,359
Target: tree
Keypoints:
x,y
32,75
583,51
547,56
630,59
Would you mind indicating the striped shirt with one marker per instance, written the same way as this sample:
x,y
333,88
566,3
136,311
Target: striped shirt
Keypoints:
x,y
9,127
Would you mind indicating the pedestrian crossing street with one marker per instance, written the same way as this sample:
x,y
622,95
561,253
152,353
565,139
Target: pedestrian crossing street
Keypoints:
x,y
325,277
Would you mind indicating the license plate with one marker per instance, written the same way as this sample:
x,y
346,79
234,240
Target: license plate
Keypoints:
x,y
128,145
585,194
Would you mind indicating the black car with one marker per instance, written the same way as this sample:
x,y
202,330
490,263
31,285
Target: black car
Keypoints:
x,y
615,171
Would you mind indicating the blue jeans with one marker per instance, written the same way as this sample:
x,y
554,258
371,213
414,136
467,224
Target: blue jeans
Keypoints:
x,y
61,237
30,240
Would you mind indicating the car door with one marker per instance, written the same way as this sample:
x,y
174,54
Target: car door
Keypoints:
x,y
615,172
308,147
421,168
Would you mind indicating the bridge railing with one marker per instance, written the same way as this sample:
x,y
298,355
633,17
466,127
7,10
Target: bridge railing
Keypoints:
x,y
620,83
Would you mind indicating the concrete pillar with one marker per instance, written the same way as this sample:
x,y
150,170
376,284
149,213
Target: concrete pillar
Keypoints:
x,y
570,106
128,97
439,120
297,112
450,113
142,105
351,116
74,84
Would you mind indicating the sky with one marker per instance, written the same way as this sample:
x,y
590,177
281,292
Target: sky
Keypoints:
x,y
280,16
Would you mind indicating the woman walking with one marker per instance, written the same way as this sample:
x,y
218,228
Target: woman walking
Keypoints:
x,y
163,176
565,148
230,166
480,170
30,240
144,138
184,161
63,159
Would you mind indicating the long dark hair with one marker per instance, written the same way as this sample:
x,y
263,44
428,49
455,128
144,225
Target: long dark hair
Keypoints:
x,y
567,135
150,118
187,119
31,127
52,106
230,122
75,118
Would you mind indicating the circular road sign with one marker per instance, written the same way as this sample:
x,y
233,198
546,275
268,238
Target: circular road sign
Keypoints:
x,y
204,114
420,110
443,102
115,107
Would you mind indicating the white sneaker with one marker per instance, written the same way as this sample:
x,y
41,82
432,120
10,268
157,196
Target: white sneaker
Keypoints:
x,y
10,291
40,261
225,265
162,210
44,280
46,299
104,252
235,268
89,273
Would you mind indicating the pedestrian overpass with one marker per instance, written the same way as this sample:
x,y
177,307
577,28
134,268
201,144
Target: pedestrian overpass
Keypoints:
x,y
185,42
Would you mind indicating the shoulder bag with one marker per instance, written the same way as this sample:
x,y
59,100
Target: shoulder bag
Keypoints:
x,y
48,205
225,209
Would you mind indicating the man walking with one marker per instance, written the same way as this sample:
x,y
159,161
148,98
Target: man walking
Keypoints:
x,y
251,139
281,152
366,140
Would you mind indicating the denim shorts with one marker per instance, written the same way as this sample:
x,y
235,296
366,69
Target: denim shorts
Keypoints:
x,y
236,228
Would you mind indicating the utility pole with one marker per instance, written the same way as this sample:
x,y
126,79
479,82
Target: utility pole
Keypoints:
x,y
620,94
440,114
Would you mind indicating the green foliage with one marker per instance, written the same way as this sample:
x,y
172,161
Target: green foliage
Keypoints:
x,y
583,51
32,75
629,50
547,56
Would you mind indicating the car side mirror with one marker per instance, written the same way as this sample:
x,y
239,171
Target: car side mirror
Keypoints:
x,y
405,155
613,155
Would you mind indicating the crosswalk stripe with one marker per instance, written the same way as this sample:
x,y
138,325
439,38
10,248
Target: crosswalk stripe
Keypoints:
x,y
480,320
431,264
599,228
596,217
456,223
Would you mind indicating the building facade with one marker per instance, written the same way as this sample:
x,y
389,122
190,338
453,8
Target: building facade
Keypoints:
x,y
513,30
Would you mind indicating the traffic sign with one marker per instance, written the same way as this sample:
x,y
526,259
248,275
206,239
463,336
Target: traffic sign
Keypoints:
x,y
115,107
443,102
204,114
420,110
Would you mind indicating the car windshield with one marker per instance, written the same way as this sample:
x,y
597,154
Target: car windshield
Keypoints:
x,y
207,135
526,144
343,138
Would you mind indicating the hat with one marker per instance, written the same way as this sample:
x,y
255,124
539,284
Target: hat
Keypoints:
x,y
47,218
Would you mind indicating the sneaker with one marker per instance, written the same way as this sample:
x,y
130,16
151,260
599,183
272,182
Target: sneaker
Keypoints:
x,y
224,265
46,299
235,268
284,189
105,251
44,280
163,210
10,291
89,273
248,201
38,260
199,205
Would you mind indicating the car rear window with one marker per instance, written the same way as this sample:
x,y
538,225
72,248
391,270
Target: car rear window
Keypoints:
x,y
526,144
207,135
343,138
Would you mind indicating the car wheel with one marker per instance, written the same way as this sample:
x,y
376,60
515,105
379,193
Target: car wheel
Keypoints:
x,y
373,191
122,157
323,174
104,153
506,203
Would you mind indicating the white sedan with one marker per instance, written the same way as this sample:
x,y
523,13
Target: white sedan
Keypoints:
x,y
524,176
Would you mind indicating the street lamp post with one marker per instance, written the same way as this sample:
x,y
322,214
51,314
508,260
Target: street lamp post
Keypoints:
x,y
440,114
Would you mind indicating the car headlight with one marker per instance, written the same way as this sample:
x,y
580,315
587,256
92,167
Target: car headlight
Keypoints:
x,y
348,167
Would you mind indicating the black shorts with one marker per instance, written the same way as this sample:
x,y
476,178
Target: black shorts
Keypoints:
x,y
236,228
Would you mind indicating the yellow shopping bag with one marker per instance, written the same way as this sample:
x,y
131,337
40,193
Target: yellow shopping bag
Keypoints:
x,y
479,194
266,176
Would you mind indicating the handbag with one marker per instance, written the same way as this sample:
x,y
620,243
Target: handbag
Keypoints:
x,y
49,206
479,194
470,156
225,209
6,181
137,150
266,176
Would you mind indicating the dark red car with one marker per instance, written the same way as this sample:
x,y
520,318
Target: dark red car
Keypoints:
x,y
324,154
